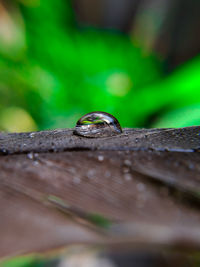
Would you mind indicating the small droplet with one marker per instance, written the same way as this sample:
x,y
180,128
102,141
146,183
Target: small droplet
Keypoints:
x,y
76,180
31,135
91,173
127,162
140,187
127,177
72,170
35,163
30,155
100,158
97,124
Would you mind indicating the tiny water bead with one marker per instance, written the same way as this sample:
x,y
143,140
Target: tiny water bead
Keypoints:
x,y
97,124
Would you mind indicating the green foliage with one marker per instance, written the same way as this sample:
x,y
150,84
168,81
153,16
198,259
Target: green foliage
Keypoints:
x,y
60,71
66,71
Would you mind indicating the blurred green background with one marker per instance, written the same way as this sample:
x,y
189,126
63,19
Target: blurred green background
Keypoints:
x,y
60,59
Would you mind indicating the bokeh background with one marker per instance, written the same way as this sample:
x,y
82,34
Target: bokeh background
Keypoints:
x,y
136,59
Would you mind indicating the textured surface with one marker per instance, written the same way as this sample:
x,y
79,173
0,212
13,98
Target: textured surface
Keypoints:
x,y
183,139
143,184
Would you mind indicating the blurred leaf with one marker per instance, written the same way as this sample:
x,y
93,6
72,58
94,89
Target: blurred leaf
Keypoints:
x,y
67,70
15,119
24,261
186,116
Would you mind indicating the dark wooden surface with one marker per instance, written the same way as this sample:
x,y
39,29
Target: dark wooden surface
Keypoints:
x,y
58,189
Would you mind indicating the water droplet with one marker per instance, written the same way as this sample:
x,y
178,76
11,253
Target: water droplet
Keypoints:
x,y
76,180
100,158
140,187
36,155
97,124
72,170
30,155
35,163
91,173
127,176
31,135
127,162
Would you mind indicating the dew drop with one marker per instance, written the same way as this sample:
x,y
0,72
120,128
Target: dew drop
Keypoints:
x,y
91,173
76,180
72,170
97,124
127,162
30,155
127,177
140,187
35,163
31,135
100,158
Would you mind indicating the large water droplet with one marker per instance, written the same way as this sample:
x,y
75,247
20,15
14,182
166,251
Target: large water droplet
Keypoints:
x,y
97,124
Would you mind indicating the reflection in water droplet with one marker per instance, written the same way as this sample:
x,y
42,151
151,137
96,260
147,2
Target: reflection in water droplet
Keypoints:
x,y
97,124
